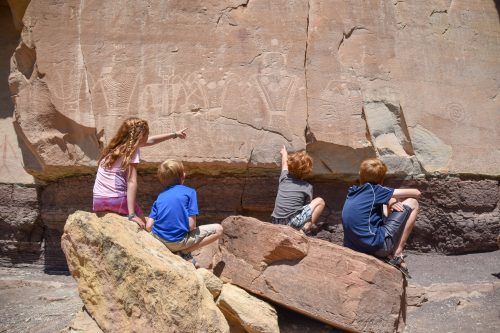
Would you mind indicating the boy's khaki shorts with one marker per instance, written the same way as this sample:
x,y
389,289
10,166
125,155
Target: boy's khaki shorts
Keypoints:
x,y
192,238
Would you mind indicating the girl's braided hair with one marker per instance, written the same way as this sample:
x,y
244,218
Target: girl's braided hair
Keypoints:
x,y
124,143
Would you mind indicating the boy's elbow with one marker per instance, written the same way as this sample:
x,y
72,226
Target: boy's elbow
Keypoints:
x,y
417,193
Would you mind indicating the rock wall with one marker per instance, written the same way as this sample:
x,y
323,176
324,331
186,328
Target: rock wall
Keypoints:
x,y
415,84
457,215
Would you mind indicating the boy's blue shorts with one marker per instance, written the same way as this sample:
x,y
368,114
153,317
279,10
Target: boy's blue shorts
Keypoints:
x,y
394,225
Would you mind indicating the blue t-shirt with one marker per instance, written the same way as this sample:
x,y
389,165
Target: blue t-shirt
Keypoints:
x,y
171,212
363,217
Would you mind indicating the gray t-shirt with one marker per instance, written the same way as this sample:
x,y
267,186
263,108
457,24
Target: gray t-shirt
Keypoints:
x,y
293,194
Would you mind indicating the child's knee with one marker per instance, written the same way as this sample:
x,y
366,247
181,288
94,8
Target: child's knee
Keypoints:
x,y
318,202
219,230
412,203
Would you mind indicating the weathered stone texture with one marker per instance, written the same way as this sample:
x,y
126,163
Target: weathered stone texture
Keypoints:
x,y
415,83
82,323
21,230
11,156
17,9
457,216
247,312
130,282
346,80
212,282
327,282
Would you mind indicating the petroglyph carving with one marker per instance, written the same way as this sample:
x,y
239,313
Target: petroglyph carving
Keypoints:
x,y
456,112
198,92
68,91
339,102
275,83
276,87
161,98
337,97
117,88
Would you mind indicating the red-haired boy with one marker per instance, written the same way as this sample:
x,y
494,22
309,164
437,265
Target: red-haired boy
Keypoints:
x,y
294,204
378,220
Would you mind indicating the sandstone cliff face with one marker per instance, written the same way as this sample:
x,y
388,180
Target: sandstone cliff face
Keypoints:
x,y
413,83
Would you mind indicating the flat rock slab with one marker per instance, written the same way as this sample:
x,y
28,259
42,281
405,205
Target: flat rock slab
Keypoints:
x,y
327,282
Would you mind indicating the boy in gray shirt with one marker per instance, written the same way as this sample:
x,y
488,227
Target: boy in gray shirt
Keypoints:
x,y
294,204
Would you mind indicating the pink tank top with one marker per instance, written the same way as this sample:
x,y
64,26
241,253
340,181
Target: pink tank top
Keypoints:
x,y
112,182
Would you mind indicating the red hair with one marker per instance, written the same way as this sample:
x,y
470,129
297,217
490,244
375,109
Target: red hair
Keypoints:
x,y
125,142
372,170
299,164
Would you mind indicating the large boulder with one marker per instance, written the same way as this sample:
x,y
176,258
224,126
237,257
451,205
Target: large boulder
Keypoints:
x,y
130,282
330,283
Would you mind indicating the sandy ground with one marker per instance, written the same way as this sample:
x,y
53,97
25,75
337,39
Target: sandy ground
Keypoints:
x,y
33,301
447,294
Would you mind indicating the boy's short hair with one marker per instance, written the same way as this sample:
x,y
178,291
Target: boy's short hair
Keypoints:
x,y
372,170
299,164
170,172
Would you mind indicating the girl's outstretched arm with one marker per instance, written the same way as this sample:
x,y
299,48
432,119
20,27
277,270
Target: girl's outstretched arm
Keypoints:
x,y
154,139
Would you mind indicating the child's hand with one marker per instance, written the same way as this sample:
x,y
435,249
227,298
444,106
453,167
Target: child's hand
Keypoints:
x,y
283,151
397,206
139,221
181,134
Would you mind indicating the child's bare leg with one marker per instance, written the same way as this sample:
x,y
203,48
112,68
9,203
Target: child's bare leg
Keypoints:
x,y
207,240
317,205
413,204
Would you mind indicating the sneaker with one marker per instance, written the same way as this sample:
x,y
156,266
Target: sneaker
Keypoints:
x,y
188,257
185,255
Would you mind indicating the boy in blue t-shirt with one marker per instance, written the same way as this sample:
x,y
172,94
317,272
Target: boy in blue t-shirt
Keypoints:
x,y
173,216
378,220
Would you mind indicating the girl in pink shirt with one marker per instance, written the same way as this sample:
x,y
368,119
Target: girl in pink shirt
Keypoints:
x,y
115,186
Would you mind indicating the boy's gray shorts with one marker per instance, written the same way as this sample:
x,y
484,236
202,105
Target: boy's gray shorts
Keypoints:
x,y
394,225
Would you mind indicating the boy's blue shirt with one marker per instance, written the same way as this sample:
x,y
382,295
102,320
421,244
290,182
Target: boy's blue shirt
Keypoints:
x,y
363,217
171,212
